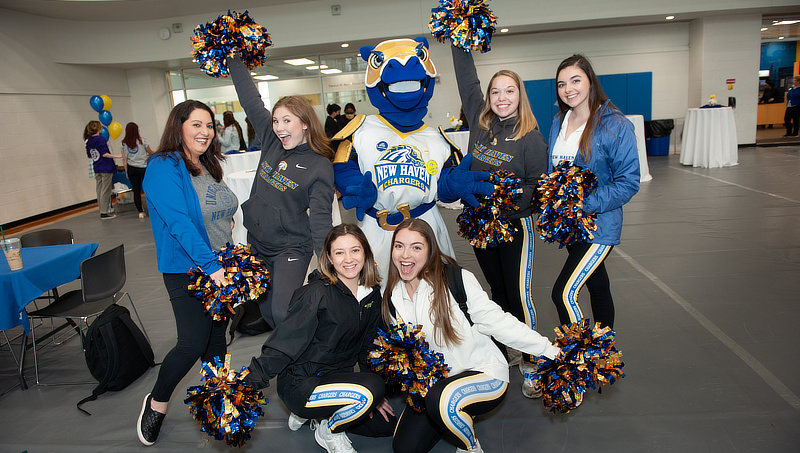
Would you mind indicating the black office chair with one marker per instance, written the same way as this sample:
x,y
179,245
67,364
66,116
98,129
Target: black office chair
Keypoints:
x,y
102,278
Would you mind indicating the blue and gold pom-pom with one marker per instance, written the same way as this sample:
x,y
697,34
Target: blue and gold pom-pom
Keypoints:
x,y
230,33
225,406
468,24
588,359
559,202
403,358
246,277
485,226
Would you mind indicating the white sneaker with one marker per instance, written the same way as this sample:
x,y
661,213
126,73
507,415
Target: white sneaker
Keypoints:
x,y
296,422
477,449
333,443
530,388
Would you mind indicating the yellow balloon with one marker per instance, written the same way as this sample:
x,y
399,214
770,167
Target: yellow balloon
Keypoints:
x,y
114,130
106,102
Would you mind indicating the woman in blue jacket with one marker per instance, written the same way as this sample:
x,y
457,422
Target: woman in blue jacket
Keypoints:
x,y
191,213
592,133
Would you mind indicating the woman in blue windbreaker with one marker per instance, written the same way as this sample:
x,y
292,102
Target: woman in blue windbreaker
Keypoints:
x,y
592,133
191,213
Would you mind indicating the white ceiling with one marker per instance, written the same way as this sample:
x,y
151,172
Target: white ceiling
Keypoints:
x,y
130,10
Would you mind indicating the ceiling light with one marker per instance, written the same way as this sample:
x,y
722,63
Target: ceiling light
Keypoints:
x,y
331,71
265,77
323,66
299,62
252,73
311,68
764,28
344,44
787,22
669,17
781,37
503,30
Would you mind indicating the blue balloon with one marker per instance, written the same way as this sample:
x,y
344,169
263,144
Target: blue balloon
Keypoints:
x,y
104,133
97,103
105,117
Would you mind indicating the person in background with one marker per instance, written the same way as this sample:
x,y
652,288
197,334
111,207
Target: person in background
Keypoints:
x,y
504,135
103,164
331,125
135,151
191,213
288,213
231,137
769,95
417,291
349,114
791,118
252,138
592,133
331,324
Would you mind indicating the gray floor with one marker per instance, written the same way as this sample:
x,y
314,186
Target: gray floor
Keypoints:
x,y
707,308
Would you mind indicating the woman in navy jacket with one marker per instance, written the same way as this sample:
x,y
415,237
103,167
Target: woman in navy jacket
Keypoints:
x,y
191,212
592,133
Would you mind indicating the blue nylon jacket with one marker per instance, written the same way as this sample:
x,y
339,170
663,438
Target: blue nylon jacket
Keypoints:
x,y
615,162
178,228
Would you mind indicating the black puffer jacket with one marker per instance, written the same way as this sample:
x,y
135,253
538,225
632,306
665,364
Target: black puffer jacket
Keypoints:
x,y
326,330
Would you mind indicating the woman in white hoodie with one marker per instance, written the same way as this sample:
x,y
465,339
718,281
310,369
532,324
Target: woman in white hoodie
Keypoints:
x,y
417,291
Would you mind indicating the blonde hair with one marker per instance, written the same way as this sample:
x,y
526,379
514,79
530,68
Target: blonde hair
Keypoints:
x,y
526,121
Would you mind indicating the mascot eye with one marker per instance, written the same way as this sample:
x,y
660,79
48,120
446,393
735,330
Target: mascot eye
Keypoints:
x,y
376,59
422,53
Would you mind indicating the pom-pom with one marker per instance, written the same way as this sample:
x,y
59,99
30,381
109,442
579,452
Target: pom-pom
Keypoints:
x,y
403,358
468,24
225,406
560,205
587,359
246,278
230,33
485,226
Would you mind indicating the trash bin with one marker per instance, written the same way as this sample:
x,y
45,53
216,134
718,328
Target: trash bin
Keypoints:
x,y
656,134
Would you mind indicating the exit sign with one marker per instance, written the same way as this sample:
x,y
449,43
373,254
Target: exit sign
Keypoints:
x,y
730,81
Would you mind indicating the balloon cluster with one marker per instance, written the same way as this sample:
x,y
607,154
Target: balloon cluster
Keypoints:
x,y
468,24
230,33
111,128
588,358
560,205
403,358
225,406
485,226
246,278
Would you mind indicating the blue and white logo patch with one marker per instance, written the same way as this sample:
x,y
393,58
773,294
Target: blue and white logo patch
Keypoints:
x,y
402,165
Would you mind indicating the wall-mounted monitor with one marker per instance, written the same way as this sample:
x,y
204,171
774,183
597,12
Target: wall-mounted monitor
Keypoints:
x,y
763,73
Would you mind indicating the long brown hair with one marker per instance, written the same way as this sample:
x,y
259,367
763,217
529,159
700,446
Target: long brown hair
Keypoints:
x,y
435,273
172,140
368,276
316,138
132,137
596,99
229,120
526,121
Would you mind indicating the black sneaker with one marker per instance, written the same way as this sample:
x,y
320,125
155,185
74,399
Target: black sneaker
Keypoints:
x,y
149,423
107,216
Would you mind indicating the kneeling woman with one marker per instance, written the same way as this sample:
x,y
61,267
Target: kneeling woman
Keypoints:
x,y
417,292
331,324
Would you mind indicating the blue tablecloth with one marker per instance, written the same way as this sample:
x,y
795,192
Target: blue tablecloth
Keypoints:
x,y
43,268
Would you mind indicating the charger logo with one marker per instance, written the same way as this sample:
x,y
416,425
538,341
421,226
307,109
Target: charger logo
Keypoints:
x,y
402,165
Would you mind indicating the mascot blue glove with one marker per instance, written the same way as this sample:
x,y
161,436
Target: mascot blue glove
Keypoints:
x,y
361,196
460,182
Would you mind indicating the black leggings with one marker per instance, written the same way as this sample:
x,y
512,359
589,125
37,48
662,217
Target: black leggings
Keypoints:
x,y
585,265
198,337
450,406
136,176
347,399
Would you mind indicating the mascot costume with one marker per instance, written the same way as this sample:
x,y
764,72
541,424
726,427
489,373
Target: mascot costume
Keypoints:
x,y
391,166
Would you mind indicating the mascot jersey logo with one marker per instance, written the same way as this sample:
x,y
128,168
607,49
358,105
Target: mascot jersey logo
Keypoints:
x,y
402,165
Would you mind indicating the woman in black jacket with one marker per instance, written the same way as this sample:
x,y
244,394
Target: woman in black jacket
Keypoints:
x,y
331,324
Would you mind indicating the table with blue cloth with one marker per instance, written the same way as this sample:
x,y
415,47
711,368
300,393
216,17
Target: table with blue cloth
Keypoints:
x,y
44,268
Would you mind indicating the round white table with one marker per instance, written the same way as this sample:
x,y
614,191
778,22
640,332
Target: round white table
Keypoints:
x,y
709,138
241,161
638,129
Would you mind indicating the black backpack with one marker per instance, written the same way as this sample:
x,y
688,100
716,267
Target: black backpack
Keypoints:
x,y
117,353
247,320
